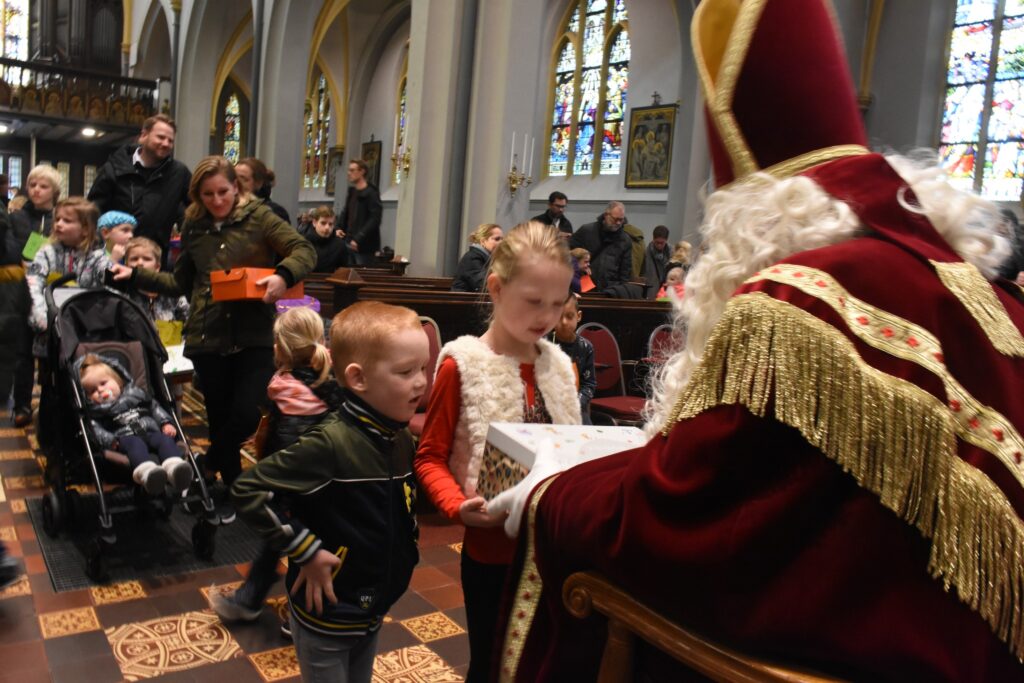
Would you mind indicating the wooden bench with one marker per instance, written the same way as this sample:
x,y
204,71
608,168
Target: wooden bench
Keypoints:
x,y
459,313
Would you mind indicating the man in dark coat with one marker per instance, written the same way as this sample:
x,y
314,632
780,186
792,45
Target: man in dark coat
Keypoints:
x,y
360,217
555,215
146,181
611,249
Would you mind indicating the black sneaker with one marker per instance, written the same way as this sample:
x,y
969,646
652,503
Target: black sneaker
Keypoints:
x,y
236,605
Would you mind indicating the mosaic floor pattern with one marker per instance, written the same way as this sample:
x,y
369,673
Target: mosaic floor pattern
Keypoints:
x,y
162,628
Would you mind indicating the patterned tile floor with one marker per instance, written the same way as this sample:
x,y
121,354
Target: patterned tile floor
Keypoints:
x,y
163,629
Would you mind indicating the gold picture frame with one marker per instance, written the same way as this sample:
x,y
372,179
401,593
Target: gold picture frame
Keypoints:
x,y
649,147
335,155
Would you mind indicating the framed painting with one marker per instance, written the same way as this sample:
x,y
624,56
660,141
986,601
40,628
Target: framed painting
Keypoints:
x,y
335,155
370,153
649,155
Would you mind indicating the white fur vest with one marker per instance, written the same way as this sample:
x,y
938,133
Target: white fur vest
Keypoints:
x,y
492,391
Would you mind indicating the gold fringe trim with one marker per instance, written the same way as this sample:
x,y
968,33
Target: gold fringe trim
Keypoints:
x,y
528,590
974,422
968,285
897,440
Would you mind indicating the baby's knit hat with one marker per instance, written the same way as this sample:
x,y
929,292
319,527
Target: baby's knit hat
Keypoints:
x,y
112,219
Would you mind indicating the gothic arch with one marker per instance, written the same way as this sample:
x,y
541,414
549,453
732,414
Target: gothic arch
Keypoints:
x,y
153,45
237,47
211,24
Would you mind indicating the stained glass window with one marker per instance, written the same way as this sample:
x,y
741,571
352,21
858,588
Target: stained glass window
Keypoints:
x,y
983,115
232,130
318,125
15,28
591,75
14,37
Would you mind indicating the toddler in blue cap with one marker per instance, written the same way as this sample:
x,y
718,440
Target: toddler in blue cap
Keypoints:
x,y
116,228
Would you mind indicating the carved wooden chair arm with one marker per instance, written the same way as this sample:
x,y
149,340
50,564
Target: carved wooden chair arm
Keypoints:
x,y
585,592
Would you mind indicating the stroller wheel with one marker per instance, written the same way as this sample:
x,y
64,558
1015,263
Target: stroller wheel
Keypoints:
x,y
94,560
52,514
203,543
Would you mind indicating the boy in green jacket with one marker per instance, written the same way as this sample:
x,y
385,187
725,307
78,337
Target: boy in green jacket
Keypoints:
x,y
339,503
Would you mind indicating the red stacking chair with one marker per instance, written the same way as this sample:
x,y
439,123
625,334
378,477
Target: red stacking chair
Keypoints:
x,y
659,344
434,337
608,369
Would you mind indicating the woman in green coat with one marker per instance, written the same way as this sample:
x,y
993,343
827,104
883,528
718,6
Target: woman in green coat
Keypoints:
x,y
230,343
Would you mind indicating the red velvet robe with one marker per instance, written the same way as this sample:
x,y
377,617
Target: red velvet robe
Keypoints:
x,y
736,526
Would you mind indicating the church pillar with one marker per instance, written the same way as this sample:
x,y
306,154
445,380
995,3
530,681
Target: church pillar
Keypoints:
x,y
175,42
507,68
429,219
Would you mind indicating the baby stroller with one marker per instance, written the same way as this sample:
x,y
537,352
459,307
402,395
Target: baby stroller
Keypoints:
x,y
107,323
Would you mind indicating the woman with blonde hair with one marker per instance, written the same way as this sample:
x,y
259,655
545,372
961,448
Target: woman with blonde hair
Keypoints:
x,y
230,343
472,268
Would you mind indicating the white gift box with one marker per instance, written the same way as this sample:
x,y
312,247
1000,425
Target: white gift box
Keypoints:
x,y
512,447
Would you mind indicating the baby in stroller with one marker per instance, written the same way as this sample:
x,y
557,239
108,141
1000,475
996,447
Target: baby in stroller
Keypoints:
x,y
125,418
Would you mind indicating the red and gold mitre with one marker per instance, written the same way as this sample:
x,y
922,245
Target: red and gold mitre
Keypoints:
x,y
777,88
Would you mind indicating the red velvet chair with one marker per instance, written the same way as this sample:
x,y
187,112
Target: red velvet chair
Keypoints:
x,y
611,386
434,337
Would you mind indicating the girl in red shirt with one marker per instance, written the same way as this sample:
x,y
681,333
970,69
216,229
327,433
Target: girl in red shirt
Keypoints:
x,y
509,374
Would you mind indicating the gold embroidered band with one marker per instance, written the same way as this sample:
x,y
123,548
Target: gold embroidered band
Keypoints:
x,y
896,439
975,423
976,294
528,590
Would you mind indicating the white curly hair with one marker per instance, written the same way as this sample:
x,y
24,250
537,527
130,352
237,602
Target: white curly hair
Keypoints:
x,y
763,220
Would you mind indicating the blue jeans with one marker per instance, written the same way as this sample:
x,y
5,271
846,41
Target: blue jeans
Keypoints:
x,y
333,659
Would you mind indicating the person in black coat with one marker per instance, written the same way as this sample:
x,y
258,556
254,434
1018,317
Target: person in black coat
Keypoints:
x,y
555,214
328,242
472,270
145,181
256,179
611,249
360,216
35,216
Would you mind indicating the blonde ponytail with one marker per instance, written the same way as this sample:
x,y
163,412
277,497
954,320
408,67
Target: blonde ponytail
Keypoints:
x,y
299,341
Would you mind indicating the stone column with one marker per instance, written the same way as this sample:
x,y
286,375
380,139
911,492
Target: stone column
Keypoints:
x,y
429,219
508,66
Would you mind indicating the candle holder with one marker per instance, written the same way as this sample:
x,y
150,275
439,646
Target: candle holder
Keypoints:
x,y
402,161
517,179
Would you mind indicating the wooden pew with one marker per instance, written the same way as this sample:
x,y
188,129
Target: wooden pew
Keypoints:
x,y
458,313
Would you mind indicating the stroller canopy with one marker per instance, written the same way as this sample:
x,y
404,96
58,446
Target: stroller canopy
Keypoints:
x,y
96,315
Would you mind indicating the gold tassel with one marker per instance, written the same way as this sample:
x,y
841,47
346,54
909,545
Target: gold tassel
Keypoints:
x,y
968,285
897,440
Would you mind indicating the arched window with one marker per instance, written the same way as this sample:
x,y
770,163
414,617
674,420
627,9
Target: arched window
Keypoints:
x,y
982,143
589,83
15,28
318,125
232,129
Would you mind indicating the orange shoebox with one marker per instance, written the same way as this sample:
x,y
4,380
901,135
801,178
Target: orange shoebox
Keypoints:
x,y
240,283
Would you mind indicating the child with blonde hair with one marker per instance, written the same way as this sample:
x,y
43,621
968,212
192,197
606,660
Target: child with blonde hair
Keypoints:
x,y
302,394
125,418
341,502
73,248
167,312
509,374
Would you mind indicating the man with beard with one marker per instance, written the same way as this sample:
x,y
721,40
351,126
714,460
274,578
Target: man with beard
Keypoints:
x,y
555,214
145,181
611,249
834,479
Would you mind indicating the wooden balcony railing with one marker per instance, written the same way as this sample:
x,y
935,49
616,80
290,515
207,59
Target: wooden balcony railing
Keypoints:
x,y
46,91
